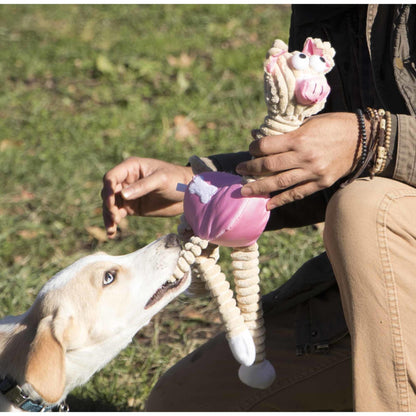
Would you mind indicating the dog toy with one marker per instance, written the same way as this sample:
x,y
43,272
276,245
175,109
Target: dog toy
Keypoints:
x,y
215,213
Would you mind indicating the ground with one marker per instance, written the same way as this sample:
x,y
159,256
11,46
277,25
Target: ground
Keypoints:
x,y
81,88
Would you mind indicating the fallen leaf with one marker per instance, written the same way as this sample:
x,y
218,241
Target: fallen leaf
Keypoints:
x,y
98,233
9,144
184,60
211,125
20,260
194,316
23,196
184,128
253,37
28,234
172,60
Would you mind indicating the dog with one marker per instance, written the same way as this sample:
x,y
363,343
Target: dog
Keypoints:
x,y
80,320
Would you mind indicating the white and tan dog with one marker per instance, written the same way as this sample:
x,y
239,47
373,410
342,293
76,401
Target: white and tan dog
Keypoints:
x,y
81,319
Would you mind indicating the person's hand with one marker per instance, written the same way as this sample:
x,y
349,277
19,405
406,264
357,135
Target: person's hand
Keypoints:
x,y
141,186
299,163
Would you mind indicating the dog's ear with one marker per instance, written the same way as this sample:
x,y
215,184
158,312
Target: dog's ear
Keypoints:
x,y
45,368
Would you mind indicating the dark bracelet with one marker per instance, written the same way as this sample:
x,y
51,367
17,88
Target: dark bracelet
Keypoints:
x,y
363,135
364,159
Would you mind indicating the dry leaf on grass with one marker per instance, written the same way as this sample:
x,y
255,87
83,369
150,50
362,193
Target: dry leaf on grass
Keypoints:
x,y
28,234
9,144
194,315
184,60
211,125
184,128
24,195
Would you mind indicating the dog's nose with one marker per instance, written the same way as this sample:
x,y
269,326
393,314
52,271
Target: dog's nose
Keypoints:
x,y
172,240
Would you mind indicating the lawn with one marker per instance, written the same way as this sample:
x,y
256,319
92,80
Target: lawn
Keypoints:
x,y
81,88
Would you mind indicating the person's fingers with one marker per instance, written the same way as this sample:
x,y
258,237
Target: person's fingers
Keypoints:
x,y
281,181
142,187
109,207
112,185
109,223
112,218
271,145
113,209
293,194
262,166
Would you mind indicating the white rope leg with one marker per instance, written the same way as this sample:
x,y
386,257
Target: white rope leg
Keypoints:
x,y
238,336
246,276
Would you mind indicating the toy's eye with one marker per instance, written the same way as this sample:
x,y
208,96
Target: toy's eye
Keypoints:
x,y
109,277
318,63
300,61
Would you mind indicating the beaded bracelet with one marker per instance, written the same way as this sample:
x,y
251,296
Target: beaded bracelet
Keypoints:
x,y
364,158
362,135
375,153
383,143
388,136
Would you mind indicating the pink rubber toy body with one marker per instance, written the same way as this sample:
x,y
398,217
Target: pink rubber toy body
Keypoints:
x,y
216,211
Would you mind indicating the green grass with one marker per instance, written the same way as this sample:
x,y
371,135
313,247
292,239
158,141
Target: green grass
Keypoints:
x,y
81,88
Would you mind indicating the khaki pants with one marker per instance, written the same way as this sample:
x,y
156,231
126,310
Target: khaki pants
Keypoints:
x,y
370,240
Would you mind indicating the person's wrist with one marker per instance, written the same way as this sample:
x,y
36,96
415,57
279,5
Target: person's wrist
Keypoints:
x,y
188,174
362,137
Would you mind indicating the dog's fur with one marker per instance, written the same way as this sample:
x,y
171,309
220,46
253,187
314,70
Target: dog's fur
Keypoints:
x,y
78,323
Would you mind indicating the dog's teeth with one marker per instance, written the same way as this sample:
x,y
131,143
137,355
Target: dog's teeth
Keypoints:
x,y
172,279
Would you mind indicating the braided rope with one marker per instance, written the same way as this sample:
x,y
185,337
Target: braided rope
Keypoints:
x,y
246,278
237,315
203,256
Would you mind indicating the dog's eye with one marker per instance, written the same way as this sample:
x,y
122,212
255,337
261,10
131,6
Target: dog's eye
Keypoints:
x,y
109,277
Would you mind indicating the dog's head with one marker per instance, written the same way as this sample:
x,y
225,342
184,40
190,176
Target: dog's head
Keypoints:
x,y
90,311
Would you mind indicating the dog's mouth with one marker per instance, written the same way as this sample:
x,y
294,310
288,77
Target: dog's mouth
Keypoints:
x,y
168,286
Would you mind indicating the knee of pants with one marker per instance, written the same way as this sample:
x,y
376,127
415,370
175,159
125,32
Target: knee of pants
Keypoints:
x,y
351,211
354,219
350,233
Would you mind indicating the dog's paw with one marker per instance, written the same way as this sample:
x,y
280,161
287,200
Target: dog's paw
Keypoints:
x,y
243,348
